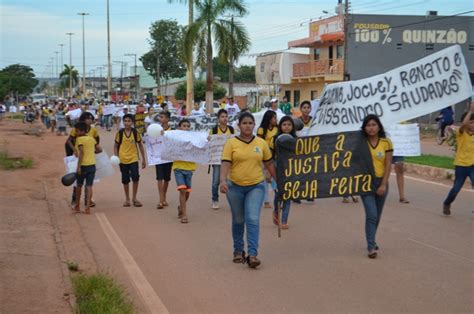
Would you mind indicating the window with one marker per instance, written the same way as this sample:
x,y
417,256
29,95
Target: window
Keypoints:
x,y
317,53
288,95
262,67
339,52
314,94
296,97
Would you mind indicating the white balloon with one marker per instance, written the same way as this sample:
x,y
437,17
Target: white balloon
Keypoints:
x,y
114,160
154,130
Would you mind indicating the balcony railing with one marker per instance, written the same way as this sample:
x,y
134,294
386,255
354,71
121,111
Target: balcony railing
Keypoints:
x,y
320,67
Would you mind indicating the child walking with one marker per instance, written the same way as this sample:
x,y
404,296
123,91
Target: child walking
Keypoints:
x,y
464,161
267,130
127,144
163,171
86,147
183,172
220,129
286,126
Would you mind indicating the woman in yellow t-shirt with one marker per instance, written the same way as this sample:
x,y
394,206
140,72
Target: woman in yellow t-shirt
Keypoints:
x,y
267,131
242,180
464,160
381,150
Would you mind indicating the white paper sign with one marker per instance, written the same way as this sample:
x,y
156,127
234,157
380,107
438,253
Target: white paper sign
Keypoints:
x,y
75,114
405,139
413,90
108,109
154,147
186,146
216,146
103,167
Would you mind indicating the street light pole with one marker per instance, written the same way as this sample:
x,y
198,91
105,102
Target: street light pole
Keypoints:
x,y
70,63
83,56
137,80
57,63
62,61
109,62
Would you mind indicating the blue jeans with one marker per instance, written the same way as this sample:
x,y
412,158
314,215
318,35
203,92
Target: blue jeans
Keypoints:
x,y
373,205
216,180
245,204
108,121
460,175
183,179
285,210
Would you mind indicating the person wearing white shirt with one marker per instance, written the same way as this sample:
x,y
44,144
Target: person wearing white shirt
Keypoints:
x,y
274,107
231,107
197,110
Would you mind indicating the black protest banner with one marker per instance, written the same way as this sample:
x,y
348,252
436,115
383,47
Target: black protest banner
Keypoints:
x,y
331,165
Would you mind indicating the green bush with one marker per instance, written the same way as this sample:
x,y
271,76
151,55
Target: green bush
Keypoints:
x,y
199,91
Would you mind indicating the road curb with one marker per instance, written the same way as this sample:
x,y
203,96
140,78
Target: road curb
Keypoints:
x,y
434,172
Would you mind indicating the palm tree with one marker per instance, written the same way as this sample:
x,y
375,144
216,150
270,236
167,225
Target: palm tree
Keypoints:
x,y
188,61
67,74
210,27
237,44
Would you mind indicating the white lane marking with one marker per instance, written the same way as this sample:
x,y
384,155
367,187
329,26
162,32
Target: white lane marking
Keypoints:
x,y
145,290
441,250
431,182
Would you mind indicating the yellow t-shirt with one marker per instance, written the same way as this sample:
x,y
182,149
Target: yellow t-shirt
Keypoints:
x,y
88,146
270,134
184,165
92,133
308,123
465,152
220,132
128,150
246,160
379,153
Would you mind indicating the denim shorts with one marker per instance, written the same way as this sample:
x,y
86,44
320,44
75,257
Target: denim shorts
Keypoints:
x,y
163,171
87,174
129,171
183,179
398,159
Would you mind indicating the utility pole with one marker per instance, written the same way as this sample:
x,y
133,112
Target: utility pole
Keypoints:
x,y
57,63
231,59
345,76
62,61
158,75
137,81
70,63
190,70
109,62
83,56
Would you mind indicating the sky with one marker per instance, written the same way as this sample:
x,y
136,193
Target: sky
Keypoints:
x,y
31,30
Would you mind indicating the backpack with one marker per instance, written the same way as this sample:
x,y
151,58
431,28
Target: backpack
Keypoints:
x,y
122,131
214,129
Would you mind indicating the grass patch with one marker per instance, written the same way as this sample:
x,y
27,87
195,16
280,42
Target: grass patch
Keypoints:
x,y
433,161
100,293
9,163
16,116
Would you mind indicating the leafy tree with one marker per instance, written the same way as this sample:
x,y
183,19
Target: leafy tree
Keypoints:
x,y
166,45
69,72
245,74
211,28
200,91
17,79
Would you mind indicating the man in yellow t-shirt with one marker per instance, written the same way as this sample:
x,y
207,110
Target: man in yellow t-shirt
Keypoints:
x,y
183,173
128,142
464,160
86,148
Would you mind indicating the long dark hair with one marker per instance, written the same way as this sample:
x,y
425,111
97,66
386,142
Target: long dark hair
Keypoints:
x,y
377,120
265,124
293,130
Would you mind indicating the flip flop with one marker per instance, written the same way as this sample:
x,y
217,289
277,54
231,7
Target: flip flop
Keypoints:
x,y
184,220
165,204
126,204
160,206
137,204
404,201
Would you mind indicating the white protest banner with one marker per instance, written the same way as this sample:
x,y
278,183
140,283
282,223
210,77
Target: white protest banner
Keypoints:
x,y
103,167
74,114
405,139
200,123
186,146
413,90
216,146
154,147
108,109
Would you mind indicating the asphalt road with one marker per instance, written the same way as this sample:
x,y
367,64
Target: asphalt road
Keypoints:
x,y
425,264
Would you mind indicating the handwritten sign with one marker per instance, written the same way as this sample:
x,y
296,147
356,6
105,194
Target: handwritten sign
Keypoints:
x,y
74,114
186,146
200,123
154,147
413,90
216,146
108,109
405,139
332,165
